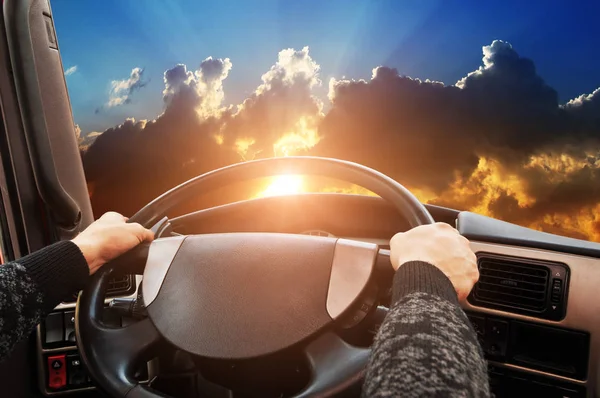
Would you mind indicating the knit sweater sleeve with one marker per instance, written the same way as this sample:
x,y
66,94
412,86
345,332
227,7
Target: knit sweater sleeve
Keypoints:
x,y
33,285
426,346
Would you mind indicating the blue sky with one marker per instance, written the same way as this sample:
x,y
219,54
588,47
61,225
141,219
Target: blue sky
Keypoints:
x,y
438,40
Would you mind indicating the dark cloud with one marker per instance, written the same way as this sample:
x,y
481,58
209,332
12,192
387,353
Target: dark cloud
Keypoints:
x,y
86,140
202,88
566,195
497,141
401,126
129,164
425,132
585,113
177,79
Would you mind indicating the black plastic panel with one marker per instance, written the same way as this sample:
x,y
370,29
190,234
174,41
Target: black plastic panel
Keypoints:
x,y
558,351
508,383
554,350
46,115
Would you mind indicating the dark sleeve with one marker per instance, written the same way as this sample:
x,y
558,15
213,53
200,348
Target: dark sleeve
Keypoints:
x,y
426,346
33,285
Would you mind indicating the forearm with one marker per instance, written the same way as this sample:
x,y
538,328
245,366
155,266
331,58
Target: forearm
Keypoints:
x,y
32,286
426,345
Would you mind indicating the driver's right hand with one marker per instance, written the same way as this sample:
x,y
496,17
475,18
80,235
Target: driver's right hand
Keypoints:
x,y
442,246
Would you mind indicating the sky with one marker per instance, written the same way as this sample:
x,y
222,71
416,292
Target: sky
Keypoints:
x,y
437,40
485,106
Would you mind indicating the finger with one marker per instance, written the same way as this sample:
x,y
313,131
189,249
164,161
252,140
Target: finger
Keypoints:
x,y
395,238
462,293
113,216
473,258
445,226
141,233
464,289
464,240
148,235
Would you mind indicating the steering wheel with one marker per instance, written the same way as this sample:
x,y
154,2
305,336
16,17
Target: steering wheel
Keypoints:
x,y
239,296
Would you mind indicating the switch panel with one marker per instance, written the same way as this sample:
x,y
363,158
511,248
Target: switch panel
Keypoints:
x,y
62,370
77,374
556,293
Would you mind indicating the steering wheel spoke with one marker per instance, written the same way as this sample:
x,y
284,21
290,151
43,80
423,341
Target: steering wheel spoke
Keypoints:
x,y
335,365
132,345
117,353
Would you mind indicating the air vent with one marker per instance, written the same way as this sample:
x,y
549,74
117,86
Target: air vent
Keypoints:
x,y
121,286
512,283
521,285
118,286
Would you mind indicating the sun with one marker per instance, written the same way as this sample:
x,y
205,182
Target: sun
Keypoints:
x,y
284,185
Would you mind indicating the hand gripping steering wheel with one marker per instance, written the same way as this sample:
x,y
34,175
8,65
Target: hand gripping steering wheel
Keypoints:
x,y
238,296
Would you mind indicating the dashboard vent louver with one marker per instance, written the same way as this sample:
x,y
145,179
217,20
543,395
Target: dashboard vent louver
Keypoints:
x,y
121,285
518,285
513,283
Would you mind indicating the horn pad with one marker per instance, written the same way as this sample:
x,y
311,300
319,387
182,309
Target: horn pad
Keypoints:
x,y
240,296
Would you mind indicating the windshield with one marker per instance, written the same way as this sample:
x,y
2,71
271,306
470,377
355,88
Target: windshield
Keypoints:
x,y
491,107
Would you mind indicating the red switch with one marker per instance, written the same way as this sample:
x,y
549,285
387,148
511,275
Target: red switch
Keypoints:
x,y
57,372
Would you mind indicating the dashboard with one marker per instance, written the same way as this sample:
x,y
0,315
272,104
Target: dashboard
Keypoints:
x,y
534,309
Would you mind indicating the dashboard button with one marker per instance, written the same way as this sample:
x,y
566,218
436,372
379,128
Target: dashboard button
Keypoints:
x,y
57,372
77,374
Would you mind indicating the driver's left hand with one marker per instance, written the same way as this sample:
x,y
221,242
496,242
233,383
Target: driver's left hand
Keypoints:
x,y
109,237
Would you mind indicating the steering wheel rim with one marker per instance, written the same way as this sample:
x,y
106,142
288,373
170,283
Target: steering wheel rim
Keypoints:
x,y
335,364
407,204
